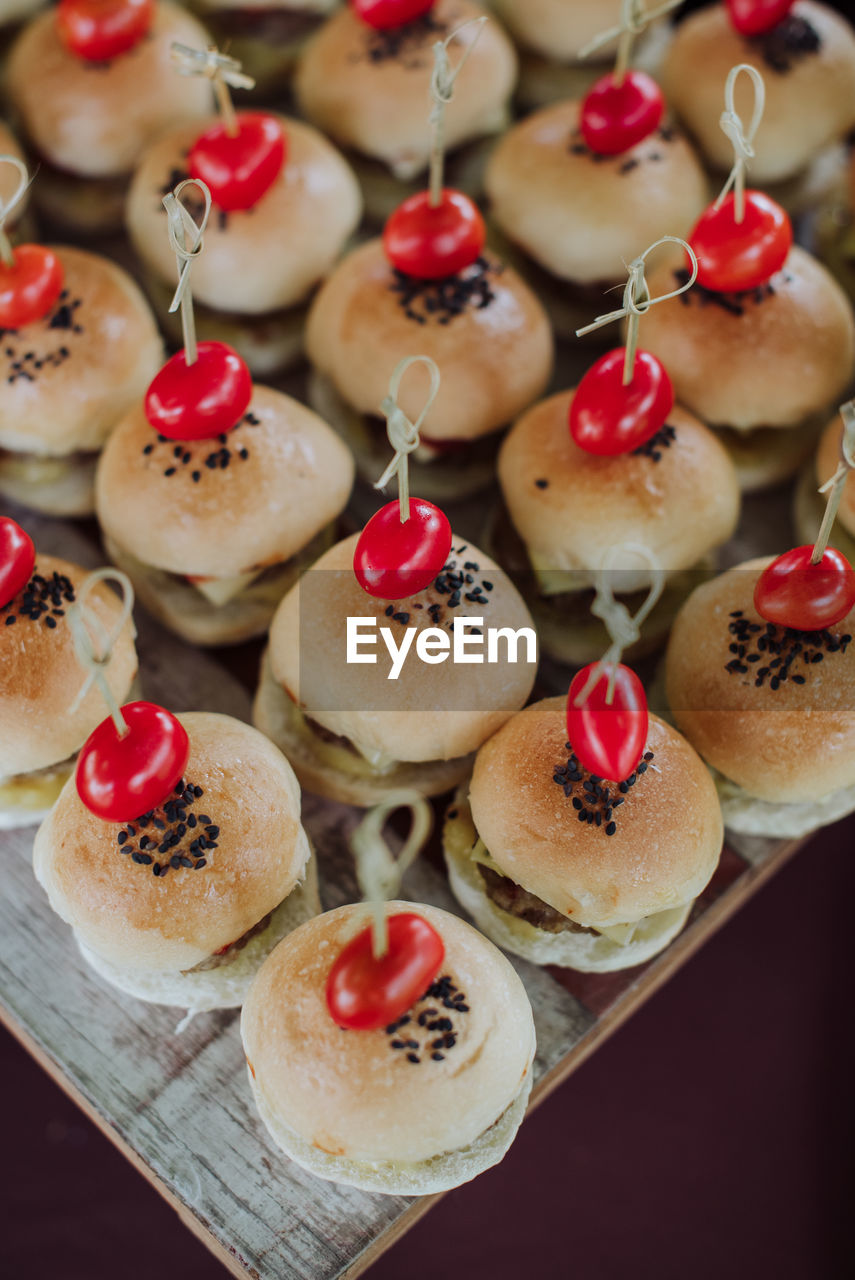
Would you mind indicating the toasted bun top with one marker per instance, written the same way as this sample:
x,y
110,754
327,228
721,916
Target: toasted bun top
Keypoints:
x,y
679,506
810,93
135,919
68,378
668,831
493,360
827,459
266,257
584,217
379,105
256,511
40,676
350,1093
789,743
432,711
555,28
770,358
95,119
9,178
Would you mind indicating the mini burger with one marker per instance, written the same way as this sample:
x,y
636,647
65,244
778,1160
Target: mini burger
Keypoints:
x,y
675,496
769,706
181,904
92,87
579,213
269,241
69,374
806,53
415,1106
40,677
266,36
567,868
357,728
213,532
481,324
363,79
762,365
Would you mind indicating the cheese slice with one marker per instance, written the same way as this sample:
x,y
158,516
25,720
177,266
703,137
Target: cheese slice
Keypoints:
x,y
552,581
221,590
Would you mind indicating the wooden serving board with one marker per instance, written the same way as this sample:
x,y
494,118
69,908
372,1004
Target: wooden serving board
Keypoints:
x,y
179,1107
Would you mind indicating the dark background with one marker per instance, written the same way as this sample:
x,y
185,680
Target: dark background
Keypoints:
x,y
710,1137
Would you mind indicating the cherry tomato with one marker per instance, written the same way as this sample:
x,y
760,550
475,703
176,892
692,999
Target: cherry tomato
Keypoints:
x,y
30,287
383,14
616,117
741,255
365,992
99,30
608,418
239,170
17,559
792,592
394,560
201,400
120,778
753,17
431,243
608,738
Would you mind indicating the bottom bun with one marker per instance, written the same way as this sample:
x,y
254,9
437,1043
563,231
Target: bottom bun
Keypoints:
x,y
271,343
585,951
750,816
769,455
332,769
70,205
397,1178
184,610
56,486
226,985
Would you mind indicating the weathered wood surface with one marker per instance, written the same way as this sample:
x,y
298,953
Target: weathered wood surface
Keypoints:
x,y
179,1105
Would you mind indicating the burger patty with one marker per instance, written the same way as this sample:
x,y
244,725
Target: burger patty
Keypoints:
x,y
225,955
526,906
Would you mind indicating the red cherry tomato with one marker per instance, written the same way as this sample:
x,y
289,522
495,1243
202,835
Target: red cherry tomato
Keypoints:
x,y
30,287
201,400
239,170
383,14
608,418
98,30
431,243
608,738
394,560
365,992
17,559
792,592
741,255
753,17
615,117
120,778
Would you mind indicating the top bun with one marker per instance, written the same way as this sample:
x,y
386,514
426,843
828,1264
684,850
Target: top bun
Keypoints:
x,y
370,90
493,360
69,377
263,258
827,459
790,740
569,505
769,357
555,28
350,1093
808,66
584,217
667,838
95,119
431,712
295,478
40,676
120,910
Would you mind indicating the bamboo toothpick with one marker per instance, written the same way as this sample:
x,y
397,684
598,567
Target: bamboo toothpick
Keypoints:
x,y
94,644
221,70
741,139
441,91
634,19
181,224
7,207
624,629
835,486
404,434
378,871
